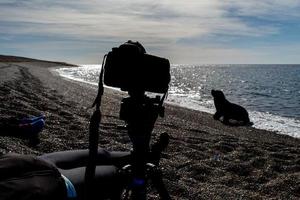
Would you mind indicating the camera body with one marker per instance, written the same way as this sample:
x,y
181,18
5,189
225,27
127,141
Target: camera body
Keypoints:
x,y
130,68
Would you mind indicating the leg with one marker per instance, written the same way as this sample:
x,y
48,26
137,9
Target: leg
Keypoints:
x,y
226,120
72,165
107,179
78,158
217,115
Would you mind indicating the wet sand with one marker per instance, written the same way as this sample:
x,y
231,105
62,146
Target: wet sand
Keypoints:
x,y
205,159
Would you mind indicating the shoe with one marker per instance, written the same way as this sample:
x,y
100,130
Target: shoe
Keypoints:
x,y
31,119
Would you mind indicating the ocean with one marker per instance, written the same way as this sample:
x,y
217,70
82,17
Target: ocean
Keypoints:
x,y
270,93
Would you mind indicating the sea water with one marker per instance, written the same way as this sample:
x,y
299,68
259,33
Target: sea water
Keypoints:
x,y
271,93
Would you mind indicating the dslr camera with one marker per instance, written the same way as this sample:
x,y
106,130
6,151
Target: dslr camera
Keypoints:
x,y
130,68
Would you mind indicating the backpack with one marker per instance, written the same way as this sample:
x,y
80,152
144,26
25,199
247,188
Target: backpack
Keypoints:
x,y
24,177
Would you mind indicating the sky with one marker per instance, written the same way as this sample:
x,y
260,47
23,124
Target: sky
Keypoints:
x,y
184,31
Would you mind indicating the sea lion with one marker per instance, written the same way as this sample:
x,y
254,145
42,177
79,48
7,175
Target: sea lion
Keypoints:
x,y
229,111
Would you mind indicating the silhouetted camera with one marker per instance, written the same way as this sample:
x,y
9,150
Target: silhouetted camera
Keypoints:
x,y
130,68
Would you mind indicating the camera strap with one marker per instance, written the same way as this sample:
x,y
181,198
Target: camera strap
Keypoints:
x,y
93,140
163,98
97,101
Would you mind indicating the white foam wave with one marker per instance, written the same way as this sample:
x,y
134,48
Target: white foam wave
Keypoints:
x,y
87,71
77,73
282,125
186,101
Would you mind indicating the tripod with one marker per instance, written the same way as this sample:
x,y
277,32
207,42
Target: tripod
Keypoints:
x,y
129,68
140,113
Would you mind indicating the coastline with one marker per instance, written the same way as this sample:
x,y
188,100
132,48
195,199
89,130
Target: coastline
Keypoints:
x,y
204,160
268,119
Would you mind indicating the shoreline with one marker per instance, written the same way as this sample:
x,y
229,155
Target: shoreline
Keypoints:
x,y
204,160
262,120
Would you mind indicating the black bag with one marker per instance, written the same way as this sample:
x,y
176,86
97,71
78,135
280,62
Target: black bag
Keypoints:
x,y
24,177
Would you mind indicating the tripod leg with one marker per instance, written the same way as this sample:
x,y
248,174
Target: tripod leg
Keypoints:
x,y
158,183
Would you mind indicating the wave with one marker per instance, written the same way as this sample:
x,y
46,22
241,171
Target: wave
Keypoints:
x,y
282,125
